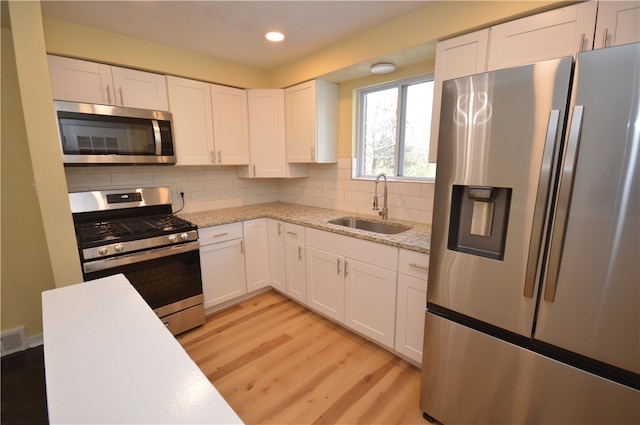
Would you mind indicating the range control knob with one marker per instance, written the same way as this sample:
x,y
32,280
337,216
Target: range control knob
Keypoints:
x,y
173,238
184,236
119,247
103,251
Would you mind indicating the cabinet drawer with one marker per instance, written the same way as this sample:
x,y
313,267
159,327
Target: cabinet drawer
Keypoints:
x,y
384,256
294,233
224,232
413,263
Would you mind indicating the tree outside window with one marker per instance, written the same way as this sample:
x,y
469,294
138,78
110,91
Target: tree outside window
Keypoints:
x,y
394,129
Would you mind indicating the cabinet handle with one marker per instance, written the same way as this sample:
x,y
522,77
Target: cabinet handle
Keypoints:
x,y
108,94
242,247
254,170
299,253
279,228
346,266
418,266
121,97
338,265
292,233
605,34
220,234
313,154
219,156
581,43
213,158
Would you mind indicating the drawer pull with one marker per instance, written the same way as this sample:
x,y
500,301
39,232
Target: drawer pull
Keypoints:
x,y
418,266
292,233
219,235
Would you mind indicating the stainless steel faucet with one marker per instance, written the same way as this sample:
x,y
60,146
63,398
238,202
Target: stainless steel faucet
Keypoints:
x,y
385,212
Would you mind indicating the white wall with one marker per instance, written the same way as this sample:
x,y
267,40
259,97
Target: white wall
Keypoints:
x,y
328,186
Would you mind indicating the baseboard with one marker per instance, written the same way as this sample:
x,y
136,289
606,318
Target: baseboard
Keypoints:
x,y
35,341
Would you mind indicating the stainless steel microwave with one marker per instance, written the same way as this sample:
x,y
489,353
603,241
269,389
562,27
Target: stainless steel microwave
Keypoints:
x,y
104,134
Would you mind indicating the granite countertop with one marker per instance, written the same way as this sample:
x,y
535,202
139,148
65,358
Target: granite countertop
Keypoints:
x,y
417,238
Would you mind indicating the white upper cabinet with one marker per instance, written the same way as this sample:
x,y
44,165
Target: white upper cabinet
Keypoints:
x,y
230,125
456,57
556,33
190,105
91,82
560,32
210,123
267,147
618,23
311,122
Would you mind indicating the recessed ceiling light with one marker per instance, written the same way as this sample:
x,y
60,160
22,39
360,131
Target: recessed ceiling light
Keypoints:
x,y
274,36
383,68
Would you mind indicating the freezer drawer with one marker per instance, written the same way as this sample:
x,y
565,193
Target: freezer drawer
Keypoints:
x,y
470,377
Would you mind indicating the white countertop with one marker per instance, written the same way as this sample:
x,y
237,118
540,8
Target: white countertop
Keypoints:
x,y
109,359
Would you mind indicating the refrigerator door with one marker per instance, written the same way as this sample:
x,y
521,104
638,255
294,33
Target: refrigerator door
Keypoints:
x,y
498,137
591,299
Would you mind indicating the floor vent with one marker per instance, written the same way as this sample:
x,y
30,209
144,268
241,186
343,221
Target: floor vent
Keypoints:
x,y
13,341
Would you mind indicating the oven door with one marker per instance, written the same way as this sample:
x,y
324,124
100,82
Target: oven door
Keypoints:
x,y
168,276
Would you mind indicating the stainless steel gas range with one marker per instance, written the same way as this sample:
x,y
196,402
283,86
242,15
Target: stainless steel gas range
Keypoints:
x,y
134,232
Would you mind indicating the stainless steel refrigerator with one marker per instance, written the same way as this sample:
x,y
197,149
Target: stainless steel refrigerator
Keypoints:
x,y
533,303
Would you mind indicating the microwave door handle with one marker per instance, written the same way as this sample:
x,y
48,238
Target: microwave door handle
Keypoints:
x,y
157,137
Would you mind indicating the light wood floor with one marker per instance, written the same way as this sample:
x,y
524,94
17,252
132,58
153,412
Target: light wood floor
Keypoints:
x,y
277,362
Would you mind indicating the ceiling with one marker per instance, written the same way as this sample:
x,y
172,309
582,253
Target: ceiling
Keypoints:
x,y
234,30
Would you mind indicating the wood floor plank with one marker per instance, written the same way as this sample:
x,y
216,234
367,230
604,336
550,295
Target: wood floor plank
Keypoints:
x,y
276,362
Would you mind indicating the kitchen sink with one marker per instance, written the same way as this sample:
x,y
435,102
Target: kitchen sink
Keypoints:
x,y
371,226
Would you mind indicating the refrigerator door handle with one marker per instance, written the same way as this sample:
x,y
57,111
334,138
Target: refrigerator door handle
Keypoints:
x,y
540,212
562,205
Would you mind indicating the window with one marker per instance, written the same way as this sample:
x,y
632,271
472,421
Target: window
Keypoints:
x,y
394,129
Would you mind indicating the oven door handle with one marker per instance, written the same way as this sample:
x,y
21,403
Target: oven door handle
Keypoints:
x,y
111,262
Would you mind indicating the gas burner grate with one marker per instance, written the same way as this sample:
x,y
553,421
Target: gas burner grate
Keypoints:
x,y
130,228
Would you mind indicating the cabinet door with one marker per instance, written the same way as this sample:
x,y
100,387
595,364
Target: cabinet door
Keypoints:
x,y
296,276
325,283
256,253
139,89
223,274
80,81
411,308
560,32
457,57
230,125
370,301
618,23
266,133
190,105
277,270
300,122
311,122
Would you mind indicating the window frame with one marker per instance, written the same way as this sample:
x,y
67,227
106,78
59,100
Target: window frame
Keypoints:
x,y
402,85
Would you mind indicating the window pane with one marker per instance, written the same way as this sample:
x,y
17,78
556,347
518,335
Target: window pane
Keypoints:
x,y
417,130
379,129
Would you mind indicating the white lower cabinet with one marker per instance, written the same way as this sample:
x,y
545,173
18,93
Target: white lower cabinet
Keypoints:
x,y
277,264
413,269
222,263
370,301
354,282
256,252
295,262
325,283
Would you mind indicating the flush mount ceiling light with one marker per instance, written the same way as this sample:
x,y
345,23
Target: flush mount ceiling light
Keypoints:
x,y
383,68
274,36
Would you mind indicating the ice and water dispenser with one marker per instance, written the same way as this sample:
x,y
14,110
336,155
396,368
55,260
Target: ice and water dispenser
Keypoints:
x,y
478,220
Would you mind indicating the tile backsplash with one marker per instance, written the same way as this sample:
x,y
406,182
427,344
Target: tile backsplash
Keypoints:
x,y
328,186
